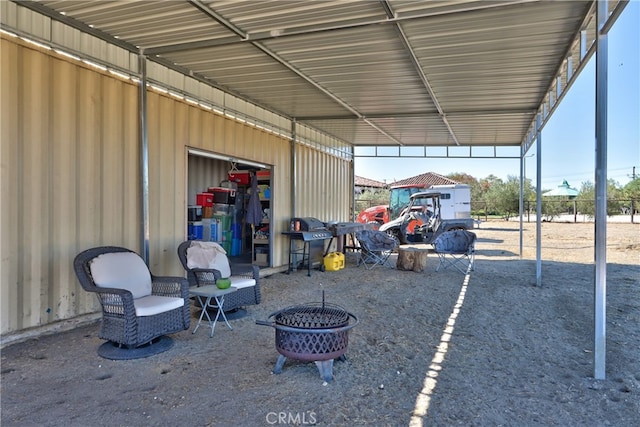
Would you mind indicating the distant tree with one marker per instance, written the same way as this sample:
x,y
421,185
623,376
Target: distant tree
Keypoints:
x,y
463,178
587,196
632,191
554,206
375,197
504,197
586,199
481,192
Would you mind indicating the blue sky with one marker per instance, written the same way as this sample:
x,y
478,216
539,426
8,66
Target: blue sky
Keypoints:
x,y
568,139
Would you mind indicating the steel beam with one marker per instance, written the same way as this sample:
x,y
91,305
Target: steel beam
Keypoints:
x,y
144,159
539,201
600,253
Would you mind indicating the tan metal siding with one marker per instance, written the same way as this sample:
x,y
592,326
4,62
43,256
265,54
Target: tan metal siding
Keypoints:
x,y
63,182
69,179
323,189
9,186
33,183
166,128
174,126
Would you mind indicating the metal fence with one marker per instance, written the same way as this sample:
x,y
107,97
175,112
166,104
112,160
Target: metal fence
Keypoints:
x,y
579,209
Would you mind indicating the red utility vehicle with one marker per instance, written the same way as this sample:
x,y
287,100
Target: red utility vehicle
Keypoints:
x,y
398,200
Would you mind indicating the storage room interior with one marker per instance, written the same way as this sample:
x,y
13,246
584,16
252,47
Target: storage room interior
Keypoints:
x,y
219,190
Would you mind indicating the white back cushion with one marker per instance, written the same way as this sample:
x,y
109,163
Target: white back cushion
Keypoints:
x,y
203,254
122,270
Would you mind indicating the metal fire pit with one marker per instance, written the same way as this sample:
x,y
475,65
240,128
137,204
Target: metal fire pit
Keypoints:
x,y
315,332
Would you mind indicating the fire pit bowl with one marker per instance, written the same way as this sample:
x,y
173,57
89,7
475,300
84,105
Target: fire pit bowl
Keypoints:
x,y
315,332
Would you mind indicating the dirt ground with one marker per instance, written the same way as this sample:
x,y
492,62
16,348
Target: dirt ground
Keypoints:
x,y
432,349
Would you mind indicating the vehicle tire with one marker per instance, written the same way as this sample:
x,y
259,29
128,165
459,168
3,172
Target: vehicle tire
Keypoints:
x,y
395,235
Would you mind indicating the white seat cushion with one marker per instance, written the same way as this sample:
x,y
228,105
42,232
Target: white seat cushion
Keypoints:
x,y
122,270
242,282
155,304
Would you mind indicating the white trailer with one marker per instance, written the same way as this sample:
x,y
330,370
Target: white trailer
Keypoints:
x,y
455,200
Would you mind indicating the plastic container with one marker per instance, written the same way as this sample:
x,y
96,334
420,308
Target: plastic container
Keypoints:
x,y
204,199
194,213
225,221
236,247
225,196
195,230
236,231
334,261
222,209
241,177
215,230
206,229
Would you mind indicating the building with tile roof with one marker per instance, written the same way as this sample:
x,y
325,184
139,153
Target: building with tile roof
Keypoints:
x,y
365,184
426,179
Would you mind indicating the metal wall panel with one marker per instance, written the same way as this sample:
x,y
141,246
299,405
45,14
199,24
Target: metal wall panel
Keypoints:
x,y
69,179
324,187
9,214
174,126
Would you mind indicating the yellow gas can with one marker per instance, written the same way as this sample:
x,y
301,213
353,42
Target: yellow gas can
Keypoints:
x,y
334,261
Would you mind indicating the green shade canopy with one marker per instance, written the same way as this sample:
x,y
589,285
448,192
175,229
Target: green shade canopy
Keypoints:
x,y
563,190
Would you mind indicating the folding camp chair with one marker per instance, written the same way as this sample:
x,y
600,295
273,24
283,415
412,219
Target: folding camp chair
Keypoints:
x,y
375,248
456,248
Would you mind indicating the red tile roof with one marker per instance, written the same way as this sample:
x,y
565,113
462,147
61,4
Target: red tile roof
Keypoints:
x,y
366,182
425,179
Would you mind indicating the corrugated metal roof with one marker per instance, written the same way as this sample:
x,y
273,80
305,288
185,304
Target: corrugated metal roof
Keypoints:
x,y
394,72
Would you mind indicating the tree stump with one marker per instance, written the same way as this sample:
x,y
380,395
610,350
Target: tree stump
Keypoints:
x,y
412,257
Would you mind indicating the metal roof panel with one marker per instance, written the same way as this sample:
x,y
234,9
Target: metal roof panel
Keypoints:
x,y
397,73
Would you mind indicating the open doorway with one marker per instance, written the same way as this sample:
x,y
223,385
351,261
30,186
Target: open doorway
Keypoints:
x,y
218,195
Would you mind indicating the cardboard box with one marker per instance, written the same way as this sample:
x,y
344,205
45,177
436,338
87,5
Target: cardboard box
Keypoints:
x,y
207,212
261,258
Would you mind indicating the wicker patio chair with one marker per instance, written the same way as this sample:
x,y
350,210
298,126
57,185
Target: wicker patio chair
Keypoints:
x,y
375,248
137,307
456,248
247,282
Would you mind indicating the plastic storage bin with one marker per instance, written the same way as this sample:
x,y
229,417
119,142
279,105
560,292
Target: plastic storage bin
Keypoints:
x,y
225,196
194,213
194,230
204,199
